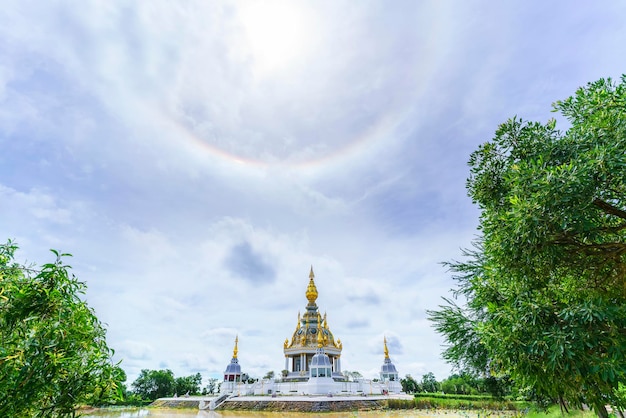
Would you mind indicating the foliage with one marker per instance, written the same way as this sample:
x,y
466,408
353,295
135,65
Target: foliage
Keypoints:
x,y
462,384
429,383
555,412
545,285
188,385
409,384
112,394
353,375
440,401
53,352
211,386
269,375
482,397
621,393
153,384
468,384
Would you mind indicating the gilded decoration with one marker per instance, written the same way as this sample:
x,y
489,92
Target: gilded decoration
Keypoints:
x,y
312,327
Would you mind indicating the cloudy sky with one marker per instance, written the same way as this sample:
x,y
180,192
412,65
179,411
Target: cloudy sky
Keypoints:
x,y
198,157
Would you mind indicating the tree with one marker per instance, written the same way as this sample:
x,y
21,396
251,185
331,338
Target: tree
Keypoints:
x,y
154,384
429,383
463,384
269,375
354,376
211,386
53,351
188,385
105,393
409,385
545,285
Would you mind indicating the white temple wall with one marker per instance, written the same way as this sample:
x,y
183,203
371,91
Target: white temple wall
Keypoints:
x,y
323,386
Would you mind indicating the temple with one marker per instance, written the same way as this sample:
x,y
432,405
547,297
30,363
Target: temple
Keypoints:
x,y
233,370
312,363
311,331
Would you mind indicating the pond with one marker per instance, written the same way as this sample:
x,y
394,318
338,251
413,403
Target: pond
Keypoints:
x,y
190,413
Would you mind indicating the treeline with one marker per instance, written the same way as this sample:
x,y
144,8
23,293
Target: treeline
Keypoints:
x,y
154,384
464,384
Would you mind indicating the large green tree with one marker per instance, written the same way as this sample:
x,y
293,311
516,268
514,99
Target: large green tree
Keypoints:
x,y
542,296
53,352
189,385
429,383
153,384
409,384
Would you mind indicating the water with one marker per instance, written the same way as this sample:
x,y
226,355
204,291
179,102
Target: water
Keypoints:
x,y
189,413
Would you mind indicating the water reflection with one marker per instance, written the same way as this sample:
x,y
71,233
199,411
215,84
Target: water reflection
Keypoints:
x,y
188,413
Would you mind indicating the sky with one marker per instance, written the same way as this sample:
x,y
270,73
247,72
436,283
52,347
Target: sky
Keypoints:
x,y
197,158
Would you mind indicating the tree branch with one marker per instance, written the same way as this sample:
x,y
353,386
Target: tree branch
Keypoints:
x,y
608,208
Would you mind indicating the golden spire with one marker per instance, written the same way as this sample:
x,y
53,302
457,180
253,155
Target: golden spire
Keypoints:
x,y
311,290
235,350
320,339
386,349
325,322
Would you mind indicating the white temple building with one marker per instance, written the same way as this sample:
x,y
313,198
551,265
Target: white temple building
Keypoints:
x,y
312,363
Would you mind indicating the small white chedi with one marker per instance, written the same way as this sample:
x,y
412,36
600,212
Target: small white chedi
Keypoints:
x,y
312,363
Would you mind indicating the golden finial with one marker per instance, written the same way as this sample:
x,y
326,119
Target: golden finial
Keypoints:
x,y
235,350
320,339
319,320
325,322
386,349
311,290
286,344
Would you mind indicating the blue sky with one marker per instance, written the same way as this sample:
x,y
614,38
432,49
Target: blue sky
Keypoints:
x,y
197,158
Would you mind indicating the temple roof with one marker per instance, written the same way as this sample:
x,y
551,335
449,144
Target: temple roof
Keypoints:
x,y
311,290
311,325
234,367
388,367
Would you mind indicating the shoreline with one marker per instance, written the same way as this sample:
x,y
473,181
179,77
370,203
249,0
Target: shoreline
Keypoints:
x,y
290,403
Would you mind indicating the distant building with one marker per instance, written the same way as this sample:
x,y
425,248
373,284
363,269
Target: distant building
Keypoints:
x,y
232,374
388,373
312,363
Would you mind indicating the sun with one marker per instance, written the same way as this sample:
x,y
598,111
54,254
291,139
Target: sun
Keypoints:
x,y
278,33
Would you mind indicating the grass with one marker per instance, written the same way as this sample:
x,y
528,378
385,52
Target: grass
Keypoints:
x,y
454,396
555,412
484,403
457,402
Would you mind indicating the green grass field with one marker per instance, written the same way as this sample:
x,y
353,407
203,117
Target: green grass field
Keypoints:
x,y
484,403
451,403
555,412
